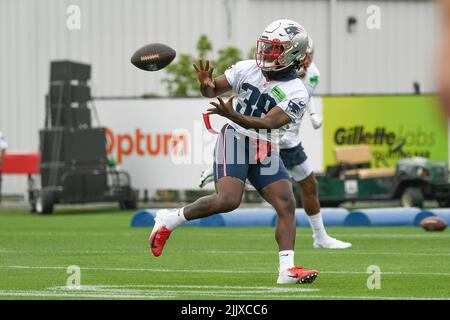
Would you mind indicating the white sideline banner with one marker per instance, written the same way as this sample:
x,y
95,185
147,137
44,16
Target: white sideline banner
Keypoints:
x,y
163,143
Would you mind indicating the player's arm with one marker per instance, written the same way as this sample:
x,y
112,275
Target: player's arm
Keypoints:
x,y
274,119
210,87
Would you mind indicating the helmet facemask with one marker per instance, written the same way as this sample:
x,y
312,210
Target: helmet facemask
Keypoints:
x,y
271,54
267,53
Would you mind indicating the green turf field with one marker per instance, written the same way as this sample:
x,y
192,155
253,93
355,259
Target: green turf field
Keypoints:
x,y
209,263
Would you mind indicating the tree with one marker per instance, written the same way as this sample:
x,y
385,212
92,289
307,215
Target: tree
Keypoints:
x,y
203,46
182,79
251,53
227,57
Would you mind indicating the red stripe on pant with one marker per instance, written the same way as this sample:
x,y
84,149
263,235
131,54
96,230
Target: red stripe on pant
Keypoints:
x,y
222,136
224,144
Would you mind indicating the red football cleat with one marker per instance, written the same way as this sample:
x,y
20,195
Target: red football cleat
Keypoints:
x,y
297,275
158,240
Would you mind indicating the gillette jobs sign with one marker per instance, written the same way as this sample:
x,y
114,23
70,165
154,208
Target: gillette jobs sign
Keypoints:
x,y
394,127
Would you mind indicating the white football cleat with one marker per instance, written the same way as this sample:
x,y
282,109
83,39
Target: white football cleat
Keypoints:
x,y
316,120
206,177
297,275
331,243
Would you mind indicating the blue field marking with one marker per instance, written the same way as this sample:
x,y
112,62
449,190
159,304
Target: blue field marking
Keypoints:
x,y
422,215
216,220
266,217
257,217
386,217
357,219
143,218
334,216
331,217
443,213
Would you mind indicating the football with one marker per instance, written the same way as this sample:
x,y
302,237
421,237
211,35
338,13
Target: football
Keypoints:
x,y
153,57
433,224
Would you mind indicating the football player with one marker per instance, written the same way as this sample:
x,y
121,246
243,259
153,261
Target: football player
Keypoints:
x,y
269,96
309,73
296,161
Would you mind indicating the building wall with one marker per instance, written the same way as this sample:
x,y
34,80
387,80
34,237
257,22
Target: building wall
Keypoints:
x,y
388,60
34,32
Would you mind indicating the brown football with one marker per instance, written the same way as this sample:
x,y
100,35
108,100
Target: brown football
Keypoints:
x,y
153,57
433,224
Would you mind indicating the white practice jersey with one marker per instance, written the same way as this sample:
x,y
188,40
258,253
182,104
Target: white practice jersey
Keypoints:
x,y
292,136
255,96
3,144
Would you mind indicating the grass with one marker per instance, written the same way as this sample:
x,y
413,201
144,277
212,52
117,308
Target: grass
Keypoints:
x,y
209,263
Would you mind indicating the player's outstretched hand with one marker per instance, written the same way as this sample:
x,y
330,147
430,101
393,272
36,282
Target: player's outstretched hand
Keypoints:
x,y
204,74
224,109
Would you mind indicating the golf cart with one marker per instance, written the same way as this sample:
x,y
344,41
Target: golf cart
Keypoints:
x,y
412,181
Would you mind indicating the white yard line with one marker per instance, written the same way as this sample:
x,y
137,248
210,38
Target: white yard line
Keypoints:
x,y
256,289
133,269
273,253
300,233
444,274
161,294
49,294
425,235
330,251
75,251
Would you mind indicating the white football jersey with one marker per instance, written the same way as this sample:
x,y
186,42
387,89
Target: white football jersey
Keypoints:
x,y
292,136
255,96
3,144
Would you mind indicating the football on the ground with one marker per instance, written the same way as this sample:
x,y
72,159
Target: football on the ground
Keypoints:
x,y
153,57
433,224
